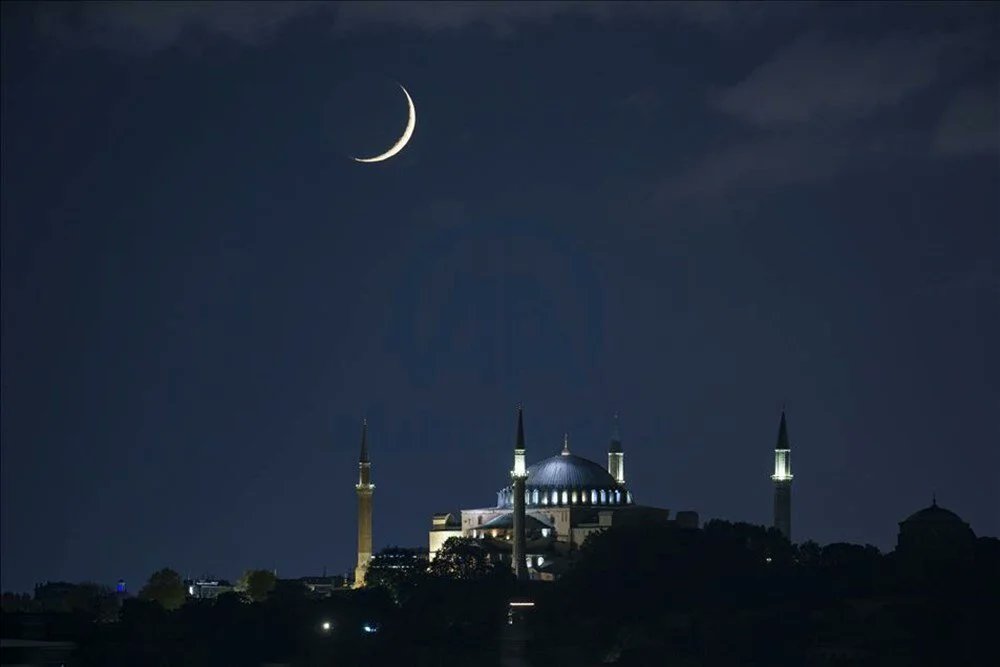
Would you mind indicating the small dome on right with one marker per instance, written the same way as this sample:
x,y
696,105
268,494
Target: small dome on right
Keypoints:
x,y
935,533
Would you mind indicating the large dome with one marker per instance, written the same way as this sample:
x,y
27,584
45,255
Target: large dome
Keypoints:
x,y
568,471
567,479
934,514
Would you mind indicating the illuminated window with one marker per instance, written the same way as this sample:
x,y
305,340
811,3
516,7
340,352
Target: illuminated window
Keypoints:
x,y
534,496
541,560
593,496
545,532
604,497
565,498
628,497
555,497
618,497
573,497
545,498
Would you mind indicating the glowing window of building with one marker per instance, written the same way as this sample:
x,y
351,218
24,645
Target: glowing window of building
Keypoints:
x,y
541,559
545,498
534,497
573,497
604,498
565,498
628,497
593,496
618,497
555,497
545,532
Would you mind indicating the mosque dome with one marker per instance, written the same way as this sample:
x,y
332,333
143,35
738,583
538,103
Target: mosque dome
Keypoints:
x,y
568,479
935,533
933,514
566,471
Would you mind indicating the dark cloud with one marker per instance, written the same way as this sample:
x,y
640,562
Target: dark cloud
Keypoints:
x,y
768,162
153,26
808,100
504,16
971,123
819,78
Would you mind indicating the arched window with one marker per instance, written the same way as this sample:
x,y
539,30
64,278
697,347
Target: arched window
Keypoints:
x,y
555,497
545,498
628,497
479,520
618,497
534,497
604,497
572,497
565,498
593,496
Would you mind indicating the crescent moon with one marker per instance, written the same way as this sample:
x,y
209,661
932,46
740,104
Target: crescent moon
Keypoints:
x,y
411,123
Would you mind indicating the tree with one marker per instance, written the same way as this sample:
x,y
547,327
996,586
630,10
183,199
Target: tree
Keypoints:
x,y
165,587
94,599
397,571
463,558
257,584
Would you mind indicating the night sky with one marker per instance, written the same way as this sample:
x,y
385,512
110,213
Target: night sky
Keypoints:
x,y
687,214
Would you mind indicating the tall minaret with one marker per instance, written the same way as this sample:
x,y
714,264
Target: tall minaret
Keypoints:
x,y
616,457
518,476
783,481
365,491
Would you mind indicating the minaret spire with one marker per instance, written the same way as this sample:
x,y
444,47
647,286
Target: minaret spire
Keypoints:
x,y
519,445
364,442
782,478
565,450
365,490
519,476
616,457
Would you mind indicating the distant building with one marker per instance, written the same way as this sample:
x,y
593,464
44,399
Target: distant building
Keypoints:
x,y
400,558
207,589
444,526
324,586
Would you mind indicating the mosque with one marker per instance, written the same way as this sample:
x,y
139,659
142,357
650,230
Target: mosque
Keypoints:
x,y
550,508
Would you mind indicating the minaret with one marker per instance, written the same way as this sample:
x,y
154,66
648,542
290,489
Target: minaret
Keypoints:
x,y
518,476
616,457
783,481
365,491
